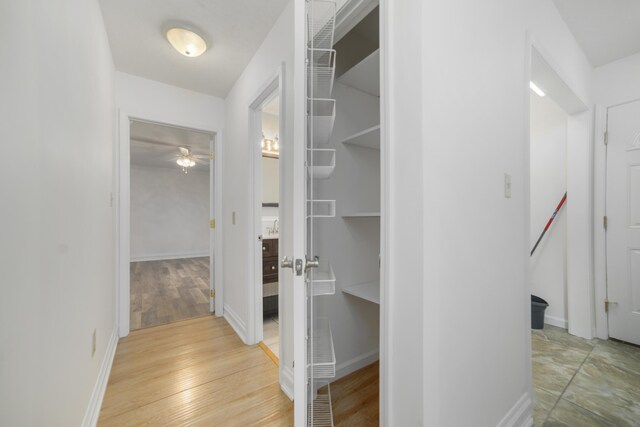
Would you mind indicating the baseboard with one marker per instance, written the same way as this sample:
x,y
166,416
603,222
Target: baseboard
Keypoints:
x,y
286,381
352,365
161,257
236,323
520,414
556,321
95,402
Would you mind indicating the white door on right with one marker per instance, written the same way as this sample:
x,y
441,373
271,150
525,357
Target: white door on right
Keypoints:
x,y
623,217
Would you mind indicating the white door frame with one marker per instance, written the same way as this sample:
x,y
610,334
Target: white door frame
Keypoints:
x,y
580,295
270,89
600,209
123,214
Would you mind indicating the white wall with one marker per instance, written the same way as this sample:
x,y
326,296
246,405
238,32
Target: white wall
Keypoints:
x,y
548,156
147,99
275,50
169,213
352,246
270,166
57,247
270,181
618,81
476,242
402,367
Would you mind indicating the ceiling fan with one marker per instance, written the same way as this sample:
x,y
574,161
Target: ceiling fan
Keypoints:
x,y
187,159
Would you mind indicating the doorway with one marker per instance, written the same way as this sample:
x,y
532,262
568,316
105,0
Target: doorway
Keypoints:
x,y
171,189
622,210
266,144
270,227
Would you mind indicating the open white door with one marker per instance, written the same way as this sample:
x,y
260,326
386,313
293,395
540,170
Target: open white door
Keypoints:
x,y
314,113
623,221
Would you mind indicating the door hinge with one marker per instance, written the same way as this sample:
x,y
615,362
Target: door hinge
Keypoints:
x,y
606,137
607,304
212,155
212,223
605,222
213,293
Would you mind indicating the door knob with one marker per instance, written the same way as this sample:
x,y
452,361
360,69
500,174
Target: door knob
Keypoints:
x,y
286,263
311,263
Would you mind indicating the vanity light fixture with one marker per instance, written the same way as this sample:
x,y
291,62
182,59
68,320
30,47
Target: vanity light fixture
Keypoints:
x,y
270,147
186,42
536,89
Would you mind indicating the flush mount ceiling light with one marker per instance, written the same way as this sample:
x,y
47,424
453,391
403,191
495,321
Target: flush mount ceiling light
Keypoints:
x,y
536,89
186,42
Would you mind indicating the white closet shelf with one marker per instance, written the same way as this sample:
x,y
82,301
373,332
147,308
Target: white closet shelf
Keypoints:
x,y
322,354
322,410
362,215
321,117
365,75
323,280
321,72
369,291
321,208
321,163
369,138
321,18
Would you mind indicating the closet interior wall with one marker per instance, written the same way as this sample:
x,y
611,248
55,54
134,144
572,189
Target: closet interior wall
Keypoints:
x,y
351,240
352,243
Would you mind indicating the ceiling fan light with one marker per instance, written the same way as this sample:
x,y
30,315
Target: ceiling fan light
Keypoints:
x,y
186,42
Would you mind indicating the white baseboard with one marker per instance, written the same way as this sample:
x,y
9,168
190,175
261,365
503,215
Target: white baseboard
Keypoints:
x,y
95,402
556,321
236,323
286,381
345,368
520,414
175,255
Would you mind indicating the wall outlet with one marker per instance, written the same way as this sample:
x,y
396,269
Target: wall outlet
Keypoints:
x,y
233,217
93,343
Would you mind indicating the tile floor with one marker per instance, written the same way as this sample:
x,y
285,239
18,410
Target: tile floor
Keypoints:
x,y
270,335
578,382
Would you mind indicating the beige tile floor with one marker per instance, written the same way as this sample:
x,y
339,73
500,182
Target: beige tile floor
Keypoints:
x,y
270,336
578,382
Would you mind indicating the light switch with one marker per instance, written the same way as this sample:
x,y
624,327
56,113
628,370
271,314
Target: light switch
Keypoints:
x,y
507,186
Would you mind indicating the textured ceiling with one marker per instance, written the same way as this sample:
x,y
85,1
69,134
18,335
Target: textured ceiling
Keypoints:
x,y
157,145
606,30
233,29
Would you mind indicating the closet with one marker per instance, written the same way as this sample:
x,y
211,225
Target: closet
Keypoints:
x,y
343,207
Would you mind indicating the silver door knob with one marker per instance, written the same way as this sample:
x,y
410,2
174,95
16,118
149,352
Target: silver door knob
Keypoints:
x,y
286,263
311,263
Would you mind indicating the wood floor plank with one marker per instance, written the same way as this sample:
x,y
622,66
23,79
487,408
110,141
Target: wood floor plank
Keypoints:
x,y
198,372
194,381
355,398
168,290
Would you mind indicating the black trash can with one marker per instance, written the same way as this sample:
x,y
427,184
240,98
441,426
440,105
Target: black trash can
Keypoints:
x,y
538,306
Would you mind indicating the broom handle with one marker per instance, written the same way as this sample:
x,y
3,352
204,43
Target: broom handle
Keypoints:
x,y
546,227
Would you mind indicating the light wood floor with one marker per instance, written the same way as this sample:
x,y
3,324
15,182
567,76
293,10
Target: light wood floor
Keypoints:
x,y
169,290
355,398
194,372
198,372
